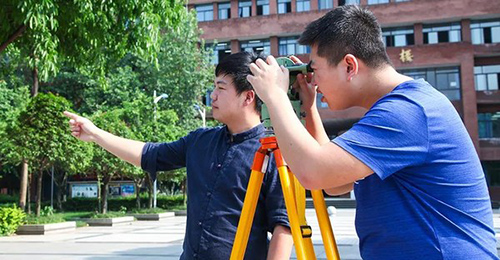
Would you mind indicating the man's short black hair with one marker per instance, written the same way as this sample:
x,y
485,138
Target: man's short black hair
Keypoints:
x,y
237,67
348,29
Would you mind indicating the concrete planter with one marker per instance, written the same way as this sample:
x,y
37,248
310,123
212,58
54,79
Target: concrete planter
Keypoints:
x,y
42,229
109,222
154,216
181,213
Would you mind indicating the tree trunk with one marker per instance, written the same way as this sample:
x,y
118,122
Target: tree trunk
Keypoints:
x,y
104,194
23,186
184,190
28,193
61,189
34,88
150,191
24,191
137,193
39,193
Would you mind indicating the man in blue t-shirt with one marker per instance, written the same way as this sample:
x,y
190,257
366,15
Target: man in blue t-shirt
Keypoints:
x,y
218,163
420,189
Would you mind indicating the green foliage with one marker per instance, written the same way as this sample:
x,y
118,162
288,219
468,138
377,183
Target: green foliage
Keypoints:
x,y
103,163
111,214
87,34
121,43
149,211
7,199
10,219
115,204
47,211
41,135
14,97
57,218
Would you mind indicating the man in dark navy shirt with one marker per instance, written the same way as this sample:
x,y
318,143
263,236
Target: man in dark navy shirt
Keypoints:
x,y
218,162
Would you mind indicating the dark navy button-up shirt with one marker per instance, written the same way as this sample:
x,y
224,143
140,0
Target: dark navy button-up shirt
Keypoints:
x,y
218,170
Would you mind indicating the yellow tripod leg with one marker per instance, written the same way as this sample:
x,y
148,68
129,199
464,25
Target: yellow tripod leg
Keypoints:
x,y
331,250
300,201
249,206
303,246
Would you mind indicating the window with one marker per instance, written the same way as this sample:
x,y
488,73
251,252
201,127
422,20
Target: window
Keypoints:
x,y
489,125
398,37
397,1
204,12
220,51
284,6
492,171
485,32
303,5
289,46
376,2
257,46
442,33
487,77
348,2
224,11
245,8
325,4
262,7
446,80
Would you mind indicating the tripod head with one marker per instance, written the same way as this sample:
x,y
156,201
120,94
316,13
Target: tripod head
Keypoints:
x,y
294,70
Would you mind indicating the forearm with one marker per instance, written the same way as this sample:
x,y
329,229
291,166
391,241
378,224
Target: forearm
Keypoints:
x,y
296,144
125,149
335,191
281,244
314,125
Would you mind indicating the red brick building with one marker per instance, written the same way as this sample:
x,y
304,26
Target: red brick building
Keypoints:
x,y
453,44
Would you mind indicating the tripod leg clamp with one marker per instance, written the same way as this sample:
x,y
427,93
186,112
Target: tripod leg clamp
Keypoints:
x,y
306,231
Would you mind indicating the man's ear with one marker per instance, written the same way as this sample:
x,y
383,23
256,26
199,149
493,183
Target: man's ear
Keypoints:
x,y
249,97
352,66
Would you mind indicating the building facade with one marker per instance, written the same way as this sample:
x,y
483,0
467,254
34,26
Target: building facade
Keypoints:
x,y
453,44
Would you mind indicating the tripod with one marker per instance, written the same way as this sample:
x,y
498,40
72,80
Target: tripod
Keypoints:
x,y
294,195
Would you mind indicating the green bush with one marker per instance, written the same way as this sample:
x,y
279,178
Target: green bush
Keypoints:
x,y
119,203
10,219
110,214
47,219
7,199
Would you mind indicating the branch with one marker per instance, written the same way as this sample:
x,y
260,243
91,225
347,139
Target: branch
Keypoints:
x,y
13,37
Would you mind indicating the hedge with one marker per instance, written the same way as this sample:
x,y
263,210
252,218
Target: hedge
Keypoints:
x,y
116,204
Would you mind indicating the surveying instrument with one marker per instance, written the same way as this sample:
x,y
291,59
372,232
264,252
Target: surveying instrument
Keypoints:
x,y
293,192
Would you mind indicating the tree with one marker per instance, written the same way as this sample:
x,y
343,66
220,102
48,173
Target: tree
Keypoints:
x,y
139,116
42,137
184,72
88,35
14,95
105,165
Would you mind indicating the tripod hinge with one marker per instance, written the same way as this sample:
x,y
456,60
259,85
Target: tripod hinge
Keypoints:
x,y
306,231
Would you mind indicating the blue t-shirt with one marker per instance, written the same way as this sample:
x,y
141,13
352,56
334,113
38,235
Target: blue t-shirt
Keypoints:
x,y
428,198
218,168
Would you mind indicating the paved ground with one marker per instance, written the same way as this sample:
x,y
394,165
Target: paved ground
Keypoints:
x,y
155,240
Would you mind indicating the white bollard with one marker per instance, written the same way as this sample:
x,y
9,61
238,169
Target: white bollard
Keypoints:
x,y
331,211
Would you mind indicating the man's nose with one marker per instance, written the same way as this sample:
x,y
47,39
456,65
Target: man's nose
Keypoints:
x,y
313,79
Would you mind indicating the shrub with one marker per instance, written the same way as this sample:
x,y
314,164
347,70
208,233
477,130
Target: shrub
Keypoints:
x,y
7,199
10,219
119,203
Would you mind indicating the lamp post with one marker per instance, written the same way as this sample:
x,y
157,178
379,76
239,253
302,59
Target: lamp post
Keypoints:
x,y
202,112
155,101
